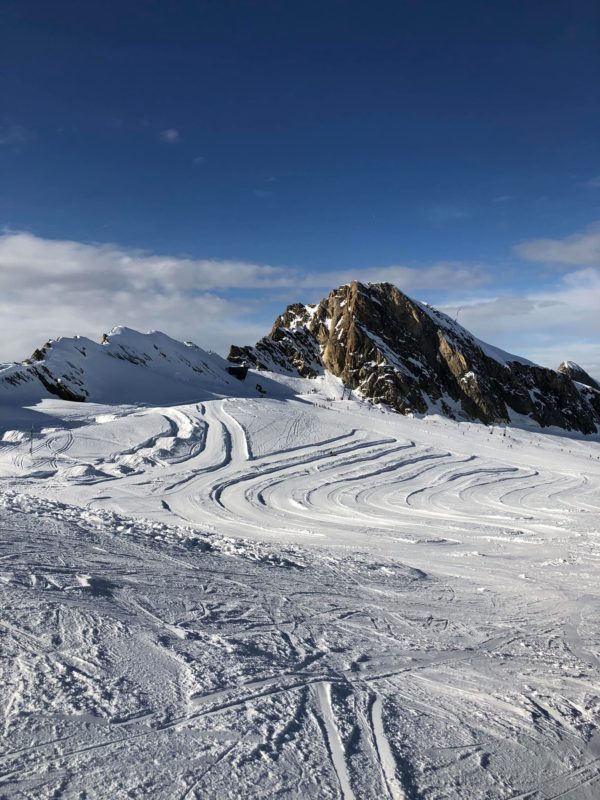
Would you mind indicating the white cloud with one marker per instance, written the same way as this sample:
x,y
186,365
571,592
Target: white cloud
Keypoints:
x,y
51,288
78,267
546,326
593,183
211,321
55,288
581,249
61,287
455,275
170,136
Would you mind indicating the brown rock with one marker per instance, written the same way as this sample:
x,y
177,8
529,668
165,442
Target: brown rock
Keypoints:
x,y
413,358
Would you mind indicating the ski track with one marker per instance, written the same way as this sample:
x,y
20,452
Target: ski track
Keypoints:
x,y
358,605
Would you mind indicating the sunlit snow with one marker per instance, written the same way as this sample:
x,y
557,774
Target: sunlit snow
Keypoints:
x,y
295,596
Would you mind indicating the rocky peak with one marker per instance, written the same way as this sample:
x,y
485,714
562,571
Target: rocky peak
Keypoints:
x,y
577,373
394,350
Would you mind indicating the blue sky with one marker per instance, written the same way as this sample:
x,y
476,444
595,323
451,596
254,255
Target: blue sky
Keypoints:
x,y
453,148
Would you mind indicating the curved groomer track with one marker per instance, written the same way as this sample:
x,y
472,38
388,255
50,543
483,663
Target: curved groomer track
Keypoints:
x,y
298,598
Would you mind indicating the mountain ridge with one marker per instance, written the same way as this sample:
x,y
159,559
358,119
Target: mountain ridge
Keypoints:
x,y
381,344
394,350
125,366
578,374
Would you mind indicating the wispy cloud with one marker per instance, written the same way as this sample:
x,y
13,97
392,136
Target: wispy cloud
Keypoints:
x,y
440,275
578,250
547,325
593,183
114,124
15,134
26,259
58,287
443,213
79,267
267,190
170,136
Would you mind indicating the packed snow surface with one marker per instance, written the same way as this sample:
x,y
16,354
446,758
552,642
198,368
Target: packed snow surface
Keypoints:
x,y
296,596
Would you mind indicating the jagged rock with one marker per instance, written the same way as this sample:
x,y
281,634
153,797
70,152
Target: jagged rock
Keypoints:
x,y
408,355
577,373
238,371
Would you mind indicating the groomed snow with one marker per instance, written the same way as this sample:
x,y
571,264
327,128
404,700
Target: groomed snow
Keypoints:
x,y
296,596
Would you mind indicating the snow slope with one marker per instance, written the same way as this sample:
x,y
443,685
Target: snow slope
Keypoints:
x,y
460,334
296,596
126,367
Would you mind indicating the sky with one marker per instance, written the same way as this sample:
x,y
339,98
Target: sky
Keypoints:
x,y
195,166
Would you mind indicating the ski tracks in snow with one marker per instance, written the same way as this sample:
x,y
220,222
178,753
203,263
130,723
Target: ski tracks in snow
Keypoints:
x,y
436,641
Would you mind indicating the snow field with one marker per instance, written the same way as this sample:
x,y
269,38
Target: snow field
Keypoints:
x,y
298,598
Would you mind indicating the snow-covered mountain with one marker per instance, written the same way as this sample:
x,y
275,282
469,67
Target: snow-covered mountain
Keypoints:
x,y
383,345
298,592
394,350
125,367
578,374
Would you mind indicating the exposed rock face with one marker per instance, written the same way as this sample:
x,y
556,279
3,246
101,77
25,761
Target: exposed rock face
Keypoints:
x,y
66,387
394,350
577,373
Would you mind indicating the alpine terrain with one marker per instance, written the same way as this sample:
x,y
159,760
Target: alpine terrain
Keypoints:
x,y
396,351
357,560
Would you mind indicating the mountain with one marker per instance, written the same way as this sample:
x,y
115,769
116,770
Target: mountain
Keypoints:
x,y
391,349
383,345
125,367
578,374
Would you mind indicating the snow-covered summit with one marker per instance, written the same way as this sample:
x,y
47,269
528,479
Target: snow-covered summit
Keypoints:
x,y
125,367
577,373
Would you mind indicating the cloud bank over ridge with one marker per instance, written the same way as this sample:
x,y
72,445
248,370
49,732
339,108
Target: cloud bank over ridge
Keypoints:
x,y
53,287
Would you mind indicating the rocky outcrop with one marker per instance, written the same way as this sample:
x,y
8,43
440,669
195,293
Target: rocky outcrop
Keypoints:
x,y
394,350
34,370
577,373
